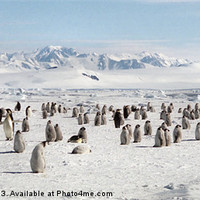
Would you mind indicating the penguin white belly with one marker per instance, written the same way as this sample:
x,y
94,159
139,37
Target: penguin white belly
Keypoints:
x,y
7,126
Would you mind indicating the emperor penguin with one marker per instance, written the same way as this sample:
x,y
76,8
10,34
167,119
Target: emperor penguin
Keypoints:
x,y
19,144
43,107
189,107
97,107
126,111
124,137
186,113
148,106
197,131
8,125
80,119
152,109
83,134
28,111
196,107
60,109
97,119
197,114
75,139
103,119
59,135
37,161
177,134
168,120
137,134
44,114
118,119
185,123
25,125
180,110
104,109
169,109
130,131
64,110
86,118
163,106
81,149
167,137
18,106
3,111
75,112
163,115
48,107
192,115
133,108
137,114
111,108
81,109
160,138
0,116
144,115
53,108
147,128
50,132
164,126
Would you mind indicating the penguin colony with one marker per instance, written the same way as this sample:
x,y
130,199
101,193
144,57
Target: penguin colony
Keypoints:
x,y
128,134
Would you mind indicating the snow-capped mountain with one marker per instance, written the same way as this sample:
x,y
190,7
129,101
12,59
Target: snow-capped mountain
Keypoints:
x,y
57,56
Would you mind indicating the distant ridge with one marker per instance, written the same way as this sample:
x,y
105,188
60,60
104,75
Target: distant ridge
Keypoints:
x,y
56,56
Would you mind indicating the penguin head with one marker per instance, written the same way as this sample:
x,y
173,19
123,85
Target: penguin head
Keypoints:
x,y
18,132
8,110
82,128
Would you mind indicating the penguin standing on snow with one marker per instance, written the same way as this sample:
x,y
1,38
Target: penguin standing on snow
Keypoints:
x,y
8,125
18,106
25,125
28,111
19,144
37,159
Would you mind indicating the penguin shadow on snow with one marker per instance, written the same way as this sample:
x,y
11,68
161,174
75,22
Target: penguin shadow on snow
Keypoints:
x,y
144,147
189,140
29,172
7,152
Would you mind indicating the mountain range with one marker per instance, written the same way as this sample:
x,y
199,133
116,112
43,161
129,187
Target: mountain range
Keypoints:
x,y
52,57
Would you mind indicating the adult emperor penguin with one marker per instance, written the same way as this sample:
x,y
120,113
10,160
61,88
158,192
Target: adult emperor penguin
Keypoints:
x,y
18,106
8,125
19,144
28,111
83,134
37,158
50,132
25,125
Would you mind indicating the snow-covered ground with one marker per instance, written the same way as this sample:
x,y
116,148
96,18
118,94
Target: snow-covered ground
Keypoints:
x,y
63,77
135,171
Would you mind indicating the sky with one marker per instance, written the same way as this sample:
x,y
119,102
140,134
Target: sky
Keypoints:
x,y
171,27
